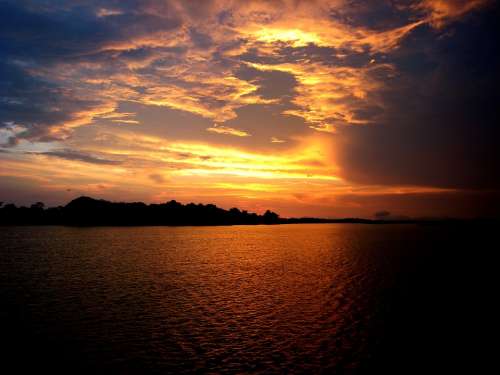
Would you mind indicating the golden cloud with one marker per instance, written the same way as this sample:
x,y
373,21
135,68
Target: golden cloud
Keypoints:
x,y
219,129
328,96
179,73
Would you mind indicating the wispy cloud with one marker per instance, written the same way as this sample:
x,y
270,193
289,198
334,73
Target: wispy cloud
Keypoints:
x,y
277,140
78,156
220,129
126,121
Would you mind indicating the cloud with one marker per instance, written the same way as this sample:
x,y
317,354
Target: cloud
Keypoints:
x,y
219,129
126,121
49,52
43,109
439,125
78,156
8,133
277,140
158,178
441,12
328,96
118,116
66,65
308,160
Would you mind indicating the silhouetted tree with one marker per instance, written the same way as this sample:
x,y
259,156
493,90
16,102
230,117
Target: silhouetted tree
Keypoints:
x,y
37,206
89,211
270,217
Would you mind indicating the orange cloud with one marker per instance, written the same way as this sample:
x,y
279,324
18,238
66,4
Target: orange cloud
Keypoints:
x,y
441,12
178,72
219,129
197,81
329,96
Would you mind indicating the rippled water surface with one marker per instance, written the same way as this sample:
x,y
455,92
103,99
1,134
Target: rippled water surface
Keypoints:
x,y
240,299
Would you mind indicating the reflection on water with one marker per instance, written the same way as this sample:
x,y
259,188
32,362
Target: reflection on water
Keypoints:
x,y
289,298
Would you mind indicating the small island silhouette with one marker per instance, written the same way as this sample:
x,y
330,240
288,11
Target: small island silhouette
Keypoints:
x,y
86,211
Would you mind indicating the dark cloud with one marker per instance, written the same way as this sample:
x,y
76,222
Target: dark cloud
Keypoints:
x,y
440,121
79,156
376,15
53,32
200,39
272,84
38,35
420,205
158,178
36,104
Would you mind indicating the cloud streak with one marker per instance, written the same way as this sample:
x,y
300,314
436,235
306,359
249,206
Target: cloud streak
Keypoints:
x,y
79,156
219,129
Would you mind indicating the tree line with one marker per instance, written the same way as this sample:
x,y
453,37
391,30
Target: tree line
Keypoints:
x,y
86,211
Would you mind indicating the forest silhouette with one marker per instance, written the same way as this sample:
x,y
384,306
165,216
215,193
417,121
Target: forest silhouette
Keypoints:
x,y
86,211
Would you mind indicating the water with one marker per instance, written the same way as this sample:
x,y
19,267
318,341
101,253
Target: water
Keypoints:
x,y
243,299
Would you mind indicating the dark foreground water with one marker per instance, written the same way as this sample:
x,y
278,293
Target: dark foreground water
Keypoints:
x,y
246,299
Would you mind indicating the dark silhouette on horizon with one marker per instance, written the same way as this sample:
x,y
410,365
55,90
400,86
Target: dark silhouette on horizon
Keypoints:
x,y
86,211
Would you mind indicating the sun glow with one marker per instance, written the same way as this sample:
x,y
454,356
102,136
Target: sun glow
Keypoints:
x,y
296,37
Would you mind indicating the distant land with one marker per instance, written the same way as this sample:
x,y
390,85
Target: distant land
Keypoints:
x,y
86,211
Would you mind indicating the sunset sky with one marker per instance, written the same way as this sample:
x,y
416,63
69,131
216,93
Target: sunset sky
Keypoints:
x,y
309,108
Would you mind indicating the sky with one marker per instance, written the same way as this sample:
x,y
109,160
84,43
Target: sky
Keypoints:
x,y
340,108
